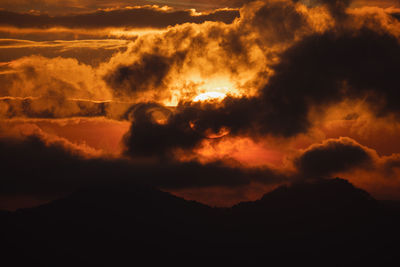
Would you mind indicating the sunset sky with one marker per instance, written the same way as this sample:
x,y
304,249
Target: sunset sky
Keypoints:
x,y
214,101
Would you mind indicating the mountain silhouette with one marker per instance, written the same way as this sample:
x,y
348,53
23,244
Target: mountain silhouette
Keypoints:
x,y
326,221
321,198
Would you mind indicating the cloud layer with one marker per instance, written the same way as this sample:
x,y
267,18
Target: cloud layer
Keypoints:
x,y
135,17
284,69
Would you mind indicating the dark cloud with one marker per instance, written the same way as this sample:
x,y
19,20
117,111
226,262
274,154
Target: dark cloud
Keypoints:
x,y
391,164
277,21
138,17
70,6
47,107
337,8
34,166
328,68
148,73
92,52
396,15
331,157
148,137
320,70
186,125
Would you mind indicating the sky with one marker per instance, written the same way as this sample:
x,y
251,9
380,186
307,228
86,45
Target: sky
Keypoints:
x,y
214,102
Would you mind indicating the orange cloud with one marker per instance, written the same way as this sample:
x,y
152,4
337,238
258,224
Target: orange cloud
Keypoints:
x,y
129,17
91,136
291,79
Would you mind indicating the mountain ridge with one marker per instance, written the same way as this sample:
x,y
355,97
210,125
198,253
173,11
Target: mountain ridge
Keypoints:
x,y
104,225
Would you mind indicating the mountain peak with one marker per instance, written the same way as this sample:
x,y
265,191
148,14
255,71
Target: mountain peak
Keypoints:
x,y
319,195
336,188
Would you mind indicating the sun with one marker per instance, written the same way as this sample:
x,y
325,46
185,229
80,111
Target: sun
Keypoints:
x,y
209,96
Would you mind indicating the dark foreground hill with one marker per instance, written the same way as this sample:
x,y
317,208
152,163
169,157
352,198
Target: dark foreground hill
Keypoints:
x,y
324,223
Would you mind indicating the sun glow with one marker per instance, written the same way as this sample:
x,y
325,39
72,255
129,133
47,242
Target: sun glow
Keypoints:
x,y
210,96
196,88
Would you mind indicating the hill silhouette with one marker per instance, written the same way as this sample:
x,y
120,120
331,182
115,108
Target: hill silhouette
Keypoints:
x,y
326,222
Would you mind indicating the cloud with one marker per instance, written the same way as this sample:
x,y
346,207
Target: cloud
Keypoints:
x,y
39,165
333,156
61,7
344,157
328,68
191,58
97,133
70,6
89,52
275,21
51,107
36,86
134,17
166,67
275,78
281,64
337,8
37,76
175,133
67,34
314,73
46,166
143,75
